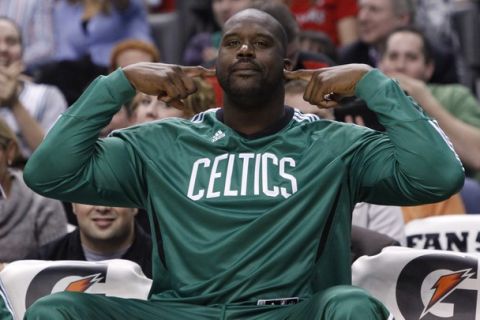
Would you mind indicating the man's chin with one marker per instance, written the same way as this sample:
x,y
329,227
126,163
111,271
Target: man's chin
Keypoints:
x,y
246,91
246,86
368,37
103,235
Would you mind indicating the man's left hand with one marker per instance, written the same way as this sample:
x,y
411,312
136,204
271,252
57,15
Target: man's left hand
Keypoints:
x,y
327,86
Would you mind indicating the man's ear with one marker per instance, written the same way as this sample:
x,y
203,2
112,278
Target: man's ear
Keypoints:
x,y
11,152
404,20
287,64
74,208
430,68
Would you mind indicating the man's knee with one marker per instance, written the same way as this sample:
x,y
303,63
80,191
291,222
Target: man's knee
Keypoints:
x,y
53,306
347,302
345,295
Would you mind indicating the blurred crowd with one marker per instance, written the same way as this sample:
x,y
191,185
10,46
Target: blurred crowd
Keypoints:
x,y
50,51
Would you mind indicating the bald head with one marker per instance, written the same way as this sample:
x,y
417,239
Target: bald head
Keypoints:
x,y
254,16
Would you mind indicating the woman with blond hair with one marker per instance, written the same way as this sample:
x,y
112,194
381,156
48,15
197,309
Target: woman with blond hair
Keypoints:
x,y
27,220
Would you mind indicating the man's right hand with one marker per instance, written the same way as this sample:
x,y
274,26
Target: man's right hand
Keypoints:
x,y
170,83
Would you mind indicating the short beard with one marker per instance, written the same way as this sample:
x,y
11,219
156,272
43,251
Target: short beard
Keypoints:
x,y
254,95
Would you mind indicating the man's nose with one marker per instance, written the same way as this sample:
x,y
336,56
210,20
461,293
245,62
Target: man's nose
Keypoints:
x,y
3,46
153,109
222,6
246,51
400,65
363,15
103,209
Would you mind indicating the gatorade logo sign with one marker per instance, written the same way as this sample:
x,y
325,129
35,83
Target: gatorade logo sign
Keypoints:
x,y
64,278
432,288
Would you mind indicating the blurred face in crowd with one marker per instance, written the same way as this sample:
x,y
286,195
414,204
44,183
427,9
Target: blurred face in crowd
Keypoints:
x,y
404,54
7,153
224,9
123,118
149,108
105,228
10,43
120,120
131,56
376,19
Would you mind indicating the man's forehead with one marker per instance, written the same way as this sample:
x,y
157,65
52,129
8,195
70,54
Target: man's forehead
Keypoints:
x,y
258,30
404,40
255,22
7,28
376,3
252,18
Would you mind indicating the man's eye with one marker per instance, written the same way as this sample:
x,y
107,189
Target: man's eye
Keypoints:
x,y
232,43
260,44
12,41
411,57
392,57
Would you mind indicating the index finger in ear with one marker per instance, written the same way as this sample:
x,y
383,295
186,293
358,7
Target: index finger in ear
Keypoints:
x,y
198,71
327,104
178,104
298,74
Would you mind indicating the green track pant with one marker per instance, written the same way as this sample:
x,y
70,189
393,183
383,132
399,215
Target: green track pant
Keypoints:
x,y
336,303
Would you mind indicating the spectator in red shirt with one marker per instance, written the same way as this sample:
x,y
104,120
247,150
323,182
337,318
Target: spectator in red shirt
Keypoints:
x,y
336,18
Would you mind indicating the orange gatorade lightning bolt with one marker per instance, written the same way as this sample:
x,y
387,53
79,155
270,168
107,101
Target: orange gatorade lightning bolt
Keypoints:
x,y
83,284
